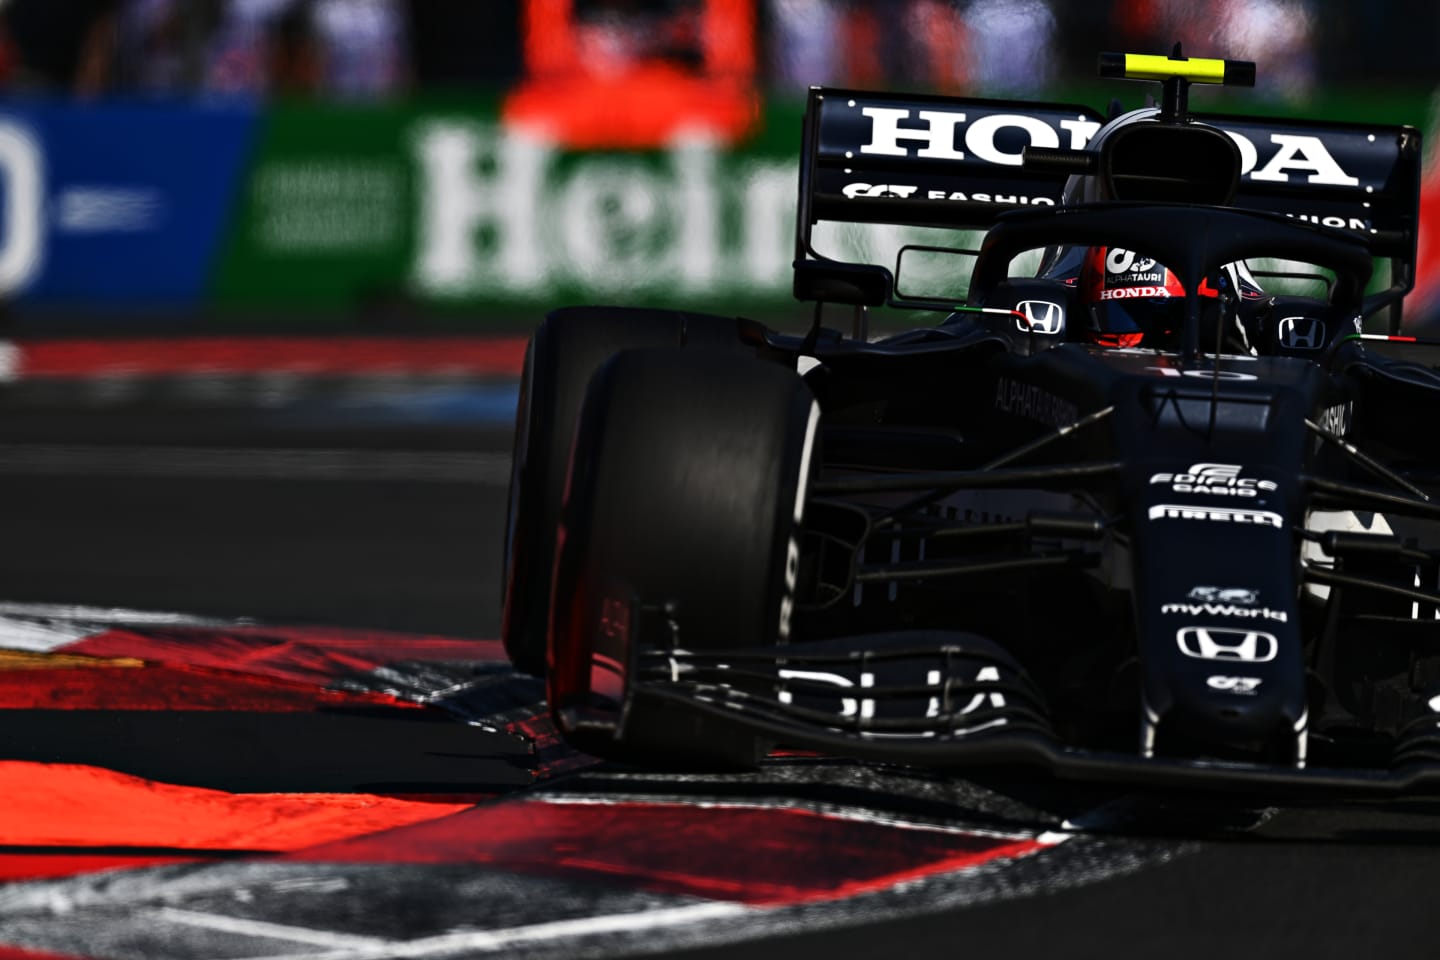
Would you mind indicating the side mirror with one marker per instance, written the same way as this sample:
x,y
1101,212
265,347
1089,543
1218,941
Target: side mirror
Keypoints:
x,y
829,281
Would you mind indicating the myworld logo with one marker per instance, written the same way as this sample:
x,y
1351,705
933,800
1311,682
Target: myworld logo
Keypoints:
x,y
1225,610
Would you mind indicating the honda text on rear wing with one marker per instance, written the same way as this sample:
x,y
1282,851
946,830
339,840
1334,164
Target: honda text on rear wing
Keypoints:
x,y
955,162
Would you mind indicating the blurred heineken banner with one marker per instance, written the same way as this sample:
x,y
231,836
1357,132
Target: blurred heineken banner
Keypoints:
x,y
329,211
335,209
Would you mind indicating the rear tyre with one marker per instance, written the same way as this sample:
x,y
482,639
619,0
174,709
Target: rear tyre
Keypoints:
x,y
687,488
564,353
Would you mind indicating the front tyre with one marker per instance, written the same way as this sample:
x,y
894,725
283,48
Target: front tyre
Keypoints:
x,y
687,489
566,350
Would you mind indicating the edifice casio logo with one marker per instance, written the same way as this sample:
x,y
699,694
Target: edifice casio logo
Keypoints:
x,y
1215,479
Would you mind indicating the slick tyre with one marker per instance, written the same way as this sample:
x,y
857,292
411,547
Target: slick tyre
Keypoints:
x,y
566,350
687,491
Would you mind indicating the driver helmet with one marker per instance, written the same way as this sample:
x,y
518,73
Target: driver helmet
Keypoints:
x,y
1131,300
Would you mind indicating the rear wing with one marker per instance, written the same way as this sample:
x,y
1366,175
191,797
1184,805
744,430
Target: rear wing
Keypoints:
x,y
933,161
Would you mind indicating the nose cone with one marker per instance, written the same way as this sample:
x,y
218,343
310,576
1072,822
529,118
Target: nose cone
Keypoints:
x,y
1220,643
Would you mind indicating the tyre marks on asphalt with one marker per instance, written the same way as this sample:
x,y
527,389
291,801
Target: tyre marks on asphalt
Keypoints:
x,y
229,463
589,861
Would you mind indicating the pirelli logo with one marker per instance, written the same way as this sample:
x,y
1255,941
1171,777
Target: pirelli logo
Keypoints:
x,y
1175,511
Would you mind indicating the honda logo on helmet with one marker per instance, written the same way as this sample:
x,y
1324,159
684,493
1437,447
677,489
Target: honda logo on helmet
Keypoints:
x,y
1041,316
1226,643
1302,333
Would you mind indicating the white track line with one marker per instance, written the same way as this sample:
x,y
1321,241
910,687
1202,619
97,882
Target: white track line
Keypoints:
x,y
43,627
826,811
272,931
489,941
255,463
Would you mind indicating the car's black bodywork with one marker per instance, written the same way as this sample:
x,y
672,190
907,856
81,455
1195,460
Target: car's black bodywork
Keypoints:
x,y
1188,565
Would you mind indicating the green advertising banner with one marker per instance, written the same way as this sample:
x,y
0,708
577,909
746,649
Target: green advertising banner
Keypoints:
x,y
443,207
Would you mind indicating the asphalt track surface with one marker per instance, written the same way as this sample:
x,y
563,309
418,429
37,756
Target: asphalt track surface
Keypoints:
x,y
377,508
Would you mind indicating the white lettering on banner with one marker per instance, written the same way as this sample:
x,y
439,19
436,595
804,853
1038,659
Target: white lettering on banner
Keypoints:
x,y
22,166
458,203
501,215
625,217
938,134
698,250
767,230
108,209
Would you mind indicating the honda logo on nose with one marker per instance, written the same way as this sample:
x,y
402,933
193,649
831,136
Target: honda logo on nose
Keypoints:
x,y
1225,643
1302,333
1041,316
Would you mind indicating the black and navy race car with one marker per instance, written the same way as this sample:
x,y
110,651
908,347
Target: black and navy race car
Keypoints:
x,y
1153,501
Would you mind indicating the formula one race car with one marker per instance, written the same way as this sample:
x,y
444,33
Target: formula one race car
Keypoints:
x,y
1151,502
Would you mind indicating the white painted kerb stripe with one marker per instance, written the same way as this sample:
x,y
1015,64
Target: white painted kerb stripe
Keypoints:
x,y
426,466
805,456
271,931
11,359
489,941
